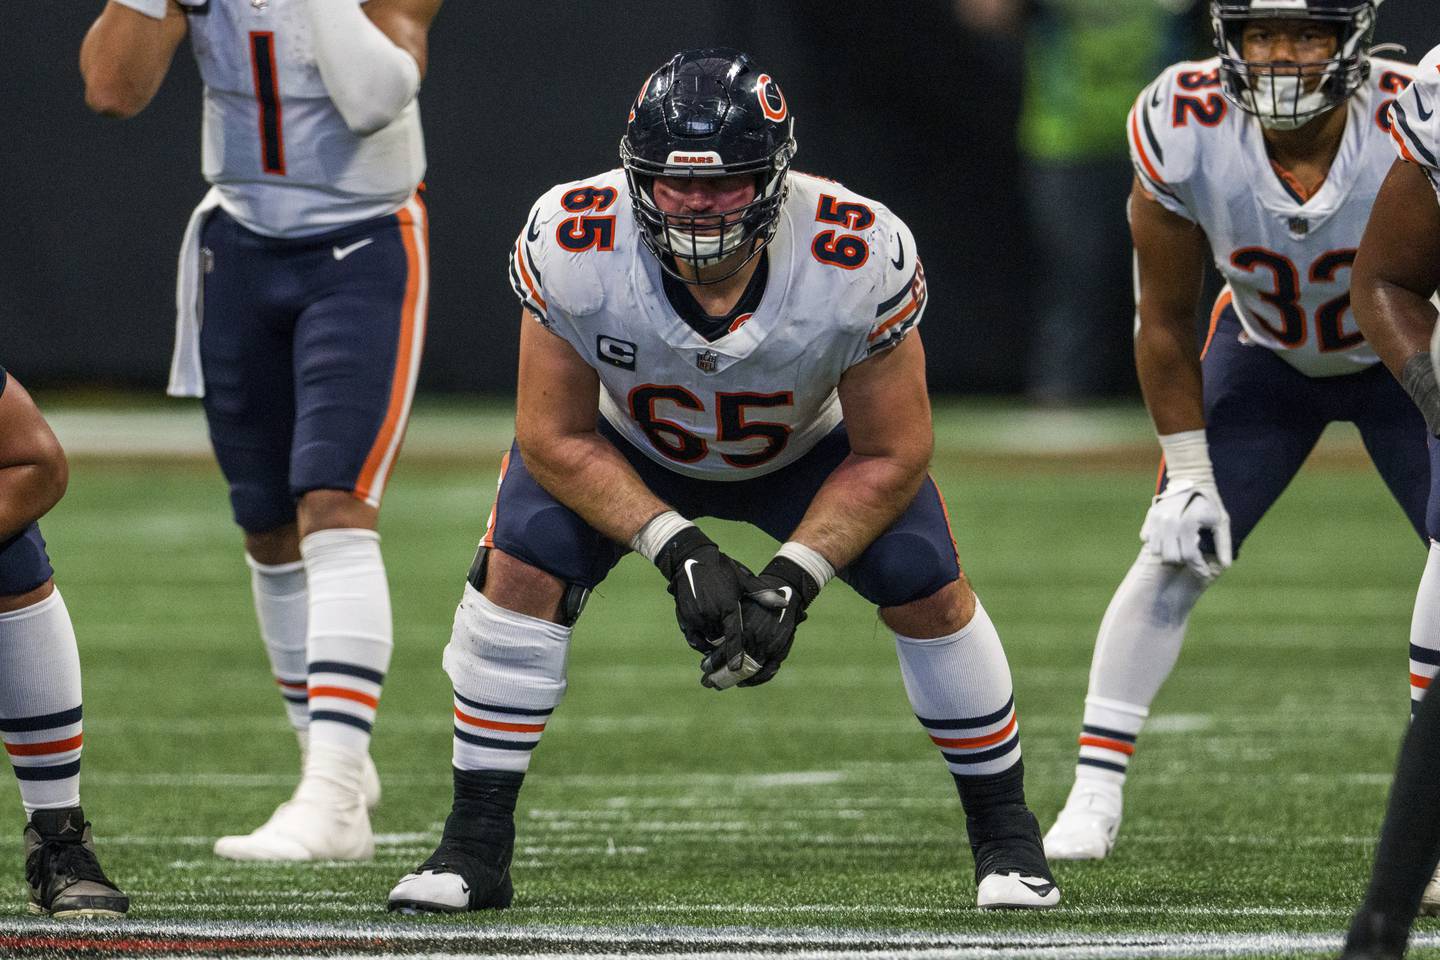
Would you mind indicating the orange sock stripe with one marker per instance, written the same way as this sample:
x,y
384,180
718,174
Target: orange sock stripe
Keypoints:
x,y
969,743
44,749
1418,681
407,355
499,725
302,685
345,693
1105,743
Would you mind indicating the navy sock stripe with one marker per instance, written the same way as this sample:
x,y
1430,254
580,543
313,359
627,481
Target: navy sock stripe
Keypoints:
x,y
984,721
492,742
981,756
1107,733
346,669
1425,655
295,697
58,772
1102,764
43,722
512,711
336,717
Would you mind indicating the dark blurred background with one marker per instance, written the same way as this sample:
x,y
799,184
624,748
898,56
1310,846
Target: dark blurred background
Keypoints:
x,y
917,103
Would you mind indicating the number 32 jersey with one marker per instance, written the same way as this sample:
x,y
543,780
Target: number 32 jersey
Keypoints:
x,y
277,150
1285,258
844,283
1415,119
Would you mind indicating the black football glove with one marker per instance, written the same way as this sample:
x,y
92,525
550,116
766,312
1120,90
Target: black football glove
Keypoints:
x,y
707,587
774,606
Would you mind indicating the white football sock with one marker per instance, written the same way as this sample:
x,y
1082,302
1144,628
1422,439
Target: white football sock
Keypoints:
x,y
349,637
508,671
40,710
959,687
1425,630
281,607
1137,647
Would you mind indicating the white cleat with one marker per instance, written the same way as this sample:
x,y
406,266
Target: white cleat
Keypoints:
x,y
429,891
326,819
1430,899
1012,890
369,776
1086,827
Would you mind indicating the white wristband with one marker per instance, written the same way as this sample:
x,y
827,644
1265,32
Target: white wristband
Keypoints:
x,y
809,560
658,531
1187,456
154,9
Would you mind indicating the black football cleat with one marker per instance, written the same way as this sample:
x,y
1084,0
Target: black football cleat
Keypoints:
x,y
457,877
1010,867
64,876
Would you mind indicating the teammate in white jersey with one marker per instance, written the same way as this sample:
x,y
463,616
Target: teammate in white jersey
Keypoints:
x,y
705,319
1267,158
1396,275
308,260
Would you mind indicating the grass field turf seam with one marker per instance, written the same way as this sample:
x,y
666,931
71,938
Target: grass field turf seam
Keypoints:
x,y
814,801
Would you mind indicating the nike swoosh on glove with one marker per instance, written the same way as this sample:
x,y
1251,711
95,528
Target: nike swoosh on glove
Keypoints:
x,y
707,587
775,603
1172,527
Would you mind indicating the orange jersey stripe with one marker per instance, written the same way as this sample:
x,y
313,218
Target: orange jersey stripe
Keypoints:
x,y
525,275
910,308
43,749
1404,149
345,693
1105,743
968,743
381,452
1418,681
1140,148
498,725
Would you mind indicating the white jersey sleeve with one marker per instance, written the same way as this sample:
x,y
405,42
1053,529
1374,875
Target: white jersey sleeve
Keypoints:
x,y
1415,119
898,297
550,269
1161,131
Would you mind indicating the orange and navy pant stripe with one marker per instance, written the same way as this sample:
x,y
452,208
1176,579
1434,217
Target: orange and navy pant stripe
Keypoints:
x,y
494,737
977,746
44,747
1105,748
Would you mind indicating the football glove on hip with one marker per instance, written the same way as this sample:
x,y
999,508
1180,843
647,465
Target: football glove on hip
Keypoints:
x,y
775,603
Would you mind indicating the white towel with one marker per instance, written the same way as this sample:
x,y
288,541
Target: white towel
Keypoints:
x,y
186,377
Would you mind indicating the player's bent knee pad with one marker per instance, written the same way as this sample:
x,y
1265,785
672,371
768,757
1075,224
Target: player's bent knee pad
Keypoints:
x,y
572,601
506,658
901,568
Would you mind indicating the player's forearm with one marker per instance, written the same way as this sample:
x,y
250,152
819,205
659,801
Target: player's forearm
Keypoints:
x,y
1397,322
857,502
1167,363
125,56
587,474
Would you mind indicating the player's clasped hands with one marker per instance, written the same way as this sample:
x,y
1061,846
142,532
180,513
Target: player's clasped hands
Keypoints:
x,y
772,607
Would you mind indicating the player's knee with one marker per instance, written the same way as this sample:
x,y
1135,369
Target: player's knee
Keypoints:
x,y
277,545
517,586
1169,590
899,569
334,510
498,655
10,602
942,613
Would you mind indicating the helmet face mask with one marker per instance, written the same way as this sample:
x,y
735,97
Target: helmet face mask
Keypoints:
x,y
708,114
1288,94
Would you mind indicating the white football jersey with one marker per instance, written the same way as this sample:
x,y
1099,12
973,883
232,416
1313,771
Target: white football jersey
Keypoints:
x,y
1286,260
274,145
1415,119
844,283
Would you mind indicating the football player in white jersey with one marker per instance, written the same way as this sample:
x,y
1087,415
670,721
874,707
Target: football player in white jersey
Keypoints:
x,y
706,333
1396,275
1267,159
41,714
308,259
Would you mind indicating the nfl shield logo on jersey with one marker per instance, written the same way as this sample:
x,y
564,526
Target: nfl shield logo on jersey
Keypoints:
x,y
707,361
1299,226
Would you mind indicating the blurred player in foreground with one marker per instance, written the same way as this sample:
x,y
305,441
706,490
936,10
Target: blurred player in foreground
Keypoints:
x,y
1266,158
40,708
694,327
308,260
1396,275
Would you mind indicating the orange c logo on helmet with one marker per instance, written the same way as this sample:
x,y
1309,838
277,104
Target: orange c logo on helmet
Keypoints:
x,y
643,87
772,101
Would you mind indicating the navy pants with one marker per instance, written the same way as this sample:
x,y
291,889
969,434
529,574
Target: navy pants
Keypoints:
x,y
912,559
1263,417
24,564
310,349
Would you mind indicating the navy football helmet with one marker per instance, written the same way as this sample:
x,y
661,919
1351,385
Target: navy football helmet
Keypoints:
x,y
708,113
1282,95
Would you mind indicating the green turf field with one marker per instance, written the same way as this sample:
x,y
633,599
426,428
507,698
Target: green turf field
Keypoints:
x,y
813,803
